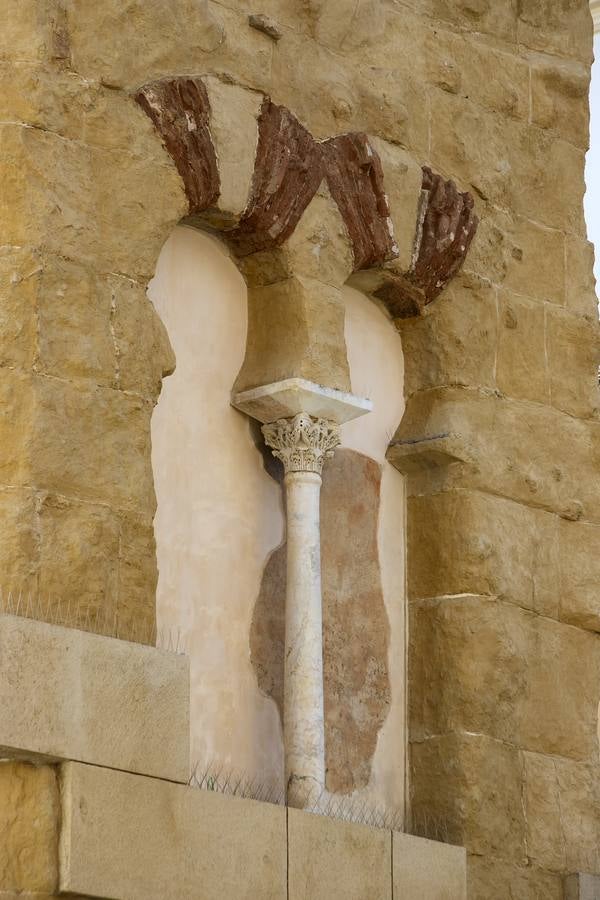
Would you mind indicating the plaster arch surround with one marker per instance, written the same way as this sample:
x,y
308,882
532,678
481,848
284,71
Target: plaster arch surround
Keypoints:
x,y
219,498
219,513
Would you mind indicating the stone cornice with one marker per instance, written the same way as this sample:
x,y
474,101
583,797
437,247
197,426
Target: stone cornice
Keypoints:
x,y
289,165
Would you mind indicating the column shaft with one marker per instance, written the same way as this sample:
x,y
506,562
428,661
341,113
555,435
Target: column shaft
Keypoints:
x,y
304,729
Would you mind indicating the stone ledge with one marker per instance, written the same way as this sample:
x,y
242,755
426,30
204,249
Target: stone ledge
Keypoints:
x,y
128,837
70,695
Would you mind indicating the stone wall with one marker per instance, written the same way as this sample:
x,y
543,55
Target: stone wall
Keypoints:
x,y
500,435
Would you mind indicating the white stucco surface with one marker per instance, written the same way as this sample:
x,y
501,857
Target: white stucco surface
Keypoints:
x,y
220,515
377,372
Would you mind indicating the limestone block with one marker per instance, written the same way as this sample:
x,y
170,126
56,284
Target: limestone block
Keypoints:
x,y
142,345
29,823
535,263
582,887
345,25
123,44
297,86
486,876
19,543
573,346
319,246
108,457
234,115
295,330
136,838
454,63
27,31
467,788
521,364
138,576
81,539
19,276
484,16
403,178
523,451
17,404
580,281
562,28
67,694
329,858
514,166
454,341
580,574
428,869
461,643
85,210
559,91
74,324
473,543
561,806
392,105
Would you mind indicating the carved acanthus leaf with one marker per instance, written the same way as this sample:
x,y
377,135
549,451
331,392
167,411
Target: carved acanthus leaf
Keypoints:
x,y
302,443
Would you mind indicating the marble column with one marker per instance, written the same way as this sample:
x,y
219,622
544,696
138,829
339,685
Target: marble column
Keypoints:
x,y
302,443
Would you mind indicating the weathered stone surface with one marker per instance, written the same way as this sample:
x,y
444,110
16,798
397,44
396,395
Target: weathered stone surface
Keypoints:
x,y
428,869
461,643
180,110
355,179
582,887
535,260
580,282
19,543
29,824
124,45
446,226
328,858
481,15
492,546
488,877
563,28
573,346
453,342
71,695
580,574
19,277
143,352
287,172
295,328
466,788
527,166
144,839
561,804
521,368
454,62
234,115
530,465
403,178
559,93
85,537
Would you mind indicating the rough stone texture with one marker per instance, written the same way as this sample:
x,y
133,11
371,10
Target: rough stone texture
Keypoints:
x,y
89,194
327,859
429,870
355,624
582,887
126,836
479,641
65,694
29,822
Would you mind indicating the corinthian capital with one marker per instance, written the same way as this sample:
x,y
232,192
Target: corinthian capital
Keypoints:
x,y
302,443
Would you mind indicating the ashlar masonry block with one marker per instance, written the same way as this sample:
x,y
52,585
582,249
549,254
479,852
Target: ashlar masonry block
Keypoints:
x,y
70,695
